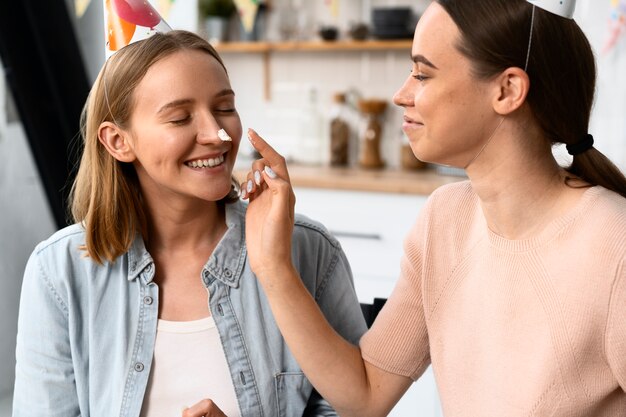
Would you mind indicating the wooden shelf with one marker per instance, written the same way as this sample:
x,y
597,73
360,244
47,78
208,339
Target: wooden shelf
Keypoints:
x,y
313,46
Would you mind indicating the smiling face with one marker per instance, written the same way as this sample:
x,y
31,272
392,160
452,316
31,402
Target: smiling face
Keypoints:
x,y
447,112
179,107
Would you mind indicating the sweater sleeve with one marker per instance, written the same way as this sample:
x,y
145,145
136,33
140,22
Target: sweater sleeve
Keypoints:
x,y
398,339
616,328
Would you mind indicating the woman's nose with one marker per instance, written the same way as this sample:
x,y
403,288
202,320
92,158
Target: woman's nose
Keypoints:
x,y
207,130
404,97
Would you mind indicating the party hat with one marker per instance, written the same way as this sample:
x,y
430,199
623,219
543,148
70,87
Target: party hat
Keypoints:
x,y
128,21
563,8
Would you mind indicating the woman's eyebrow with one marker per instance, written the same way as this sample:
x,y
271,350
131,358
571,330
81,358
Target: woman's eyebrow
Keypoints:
x,y
175,103
422,59
185,101
225,92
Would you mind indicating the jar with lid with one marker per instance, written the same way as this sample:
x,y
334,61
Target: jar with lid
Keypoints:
x,y
371,135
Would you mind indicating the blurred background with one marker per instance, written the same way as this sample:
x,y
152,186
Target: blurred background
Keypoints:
x,y
315,77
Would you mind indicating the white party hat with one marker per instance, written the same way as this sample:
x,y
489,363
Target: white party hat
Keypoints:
x,y
563,8
128,21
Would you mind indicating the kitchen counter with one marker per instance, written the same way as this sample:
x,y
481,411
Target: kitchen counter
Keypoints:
x,y
420,182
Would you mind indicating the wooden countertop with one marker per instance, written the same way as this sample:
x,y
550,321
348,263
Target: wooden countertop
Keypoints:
x,y
421,182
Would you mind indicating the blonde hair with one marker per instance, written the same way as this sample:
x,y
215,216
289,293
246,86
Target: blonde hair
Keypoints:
x,y
106,197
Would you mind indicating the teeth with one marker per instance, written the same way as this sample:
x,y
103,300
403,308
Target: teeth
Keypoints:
x,y
203,163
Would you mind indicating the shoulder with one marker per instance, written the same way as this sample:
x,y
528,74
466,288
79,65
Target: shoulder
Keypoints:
x,y
449,207
62,259
52,262
609,202
454,196
309,230
602,218
69,237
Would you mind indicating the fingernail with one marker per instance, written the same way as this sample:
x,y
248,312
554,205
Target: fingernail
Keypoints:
x,y
257,177
250,136
243,194
270,172
249,186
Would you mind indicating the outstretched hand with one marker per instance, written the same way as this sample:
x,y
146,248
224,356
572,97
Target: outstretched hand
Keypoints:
x,y
270,214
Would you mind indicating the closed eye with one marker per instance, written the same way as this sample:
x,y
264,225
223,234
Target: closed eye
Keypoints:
x,y
181,121
420,77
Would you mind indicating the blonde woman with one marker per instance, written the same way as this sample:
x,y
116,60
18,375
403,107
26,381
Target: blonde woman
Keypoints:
x,y
147,305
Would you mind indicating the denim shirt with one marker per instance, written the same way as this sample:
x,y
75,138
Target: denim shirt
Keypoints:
x,y
86,332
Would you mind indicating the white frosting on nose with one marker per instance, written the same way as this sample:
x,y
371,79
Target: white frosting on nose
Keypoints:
x,y
224,136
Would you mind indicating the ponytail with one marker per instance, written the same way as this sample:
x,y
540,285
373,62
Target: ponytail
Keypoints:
x,y
596,169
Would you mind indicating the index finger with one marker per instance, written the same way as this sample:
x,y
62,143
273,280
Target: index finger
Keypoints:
x,y
275,160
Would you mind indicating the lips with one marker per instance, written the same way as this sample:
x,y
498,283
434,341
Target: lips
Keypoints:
x,y
407,119
410,124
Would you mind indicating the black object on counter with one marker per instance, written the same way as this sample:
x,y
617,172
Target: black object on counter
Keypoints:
x,y
393,22
329,33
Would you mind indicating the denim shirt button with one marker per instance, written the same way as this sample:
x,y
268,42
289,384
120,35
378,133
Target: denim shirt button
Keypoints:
x,y
139,367
228,273
205,277
147,300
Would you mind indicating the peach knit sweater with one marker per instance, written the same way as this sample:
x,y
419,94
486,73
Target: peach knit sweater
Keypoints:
x,y
520,328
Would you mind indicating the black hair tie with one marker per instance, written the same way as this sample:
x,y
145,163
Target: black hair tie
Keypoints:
x,y
581,146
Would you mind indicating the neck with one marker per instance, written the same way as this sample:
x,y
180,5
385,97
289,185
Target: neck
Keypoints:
x,y
519,183
178,228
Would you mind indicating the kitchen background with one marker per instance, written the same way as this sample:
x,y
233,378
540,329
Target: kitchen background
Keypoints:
x,y
286,94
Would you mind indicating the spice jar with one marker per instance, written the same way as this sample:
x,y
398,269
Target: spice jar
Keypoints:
x,y
371,133
339,132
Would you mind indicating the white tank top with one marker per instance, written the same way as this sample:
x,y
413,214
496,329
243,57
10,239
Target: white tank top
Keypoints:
x,y
189,365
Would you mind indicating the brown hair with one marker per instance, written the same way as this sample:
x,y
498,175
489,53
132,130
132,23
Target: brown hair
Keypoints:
x,y
105,196
561,67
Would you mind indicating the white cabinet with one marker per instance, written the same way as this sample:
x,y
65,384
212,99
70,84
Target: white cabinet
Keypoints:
x,y
371,227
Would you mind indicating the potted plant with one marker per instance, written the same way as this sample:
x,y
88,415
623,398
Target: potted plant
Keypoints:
x,y
216,14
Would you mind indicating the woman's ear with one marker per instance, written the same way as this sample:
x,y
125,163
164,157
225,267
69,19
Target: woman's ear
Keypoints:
x,y
115,141
513,85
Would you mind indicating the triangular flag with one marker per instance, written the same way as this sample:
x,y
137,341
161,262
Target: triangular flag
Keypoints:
x,y
247,11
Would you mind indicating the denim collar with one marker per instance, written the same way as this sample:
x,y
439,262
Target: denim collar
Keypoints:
x,y
226,262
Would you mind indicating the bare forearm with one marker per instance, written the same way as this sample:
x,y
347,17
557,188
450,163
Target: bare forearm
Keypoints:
x,y
333,365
